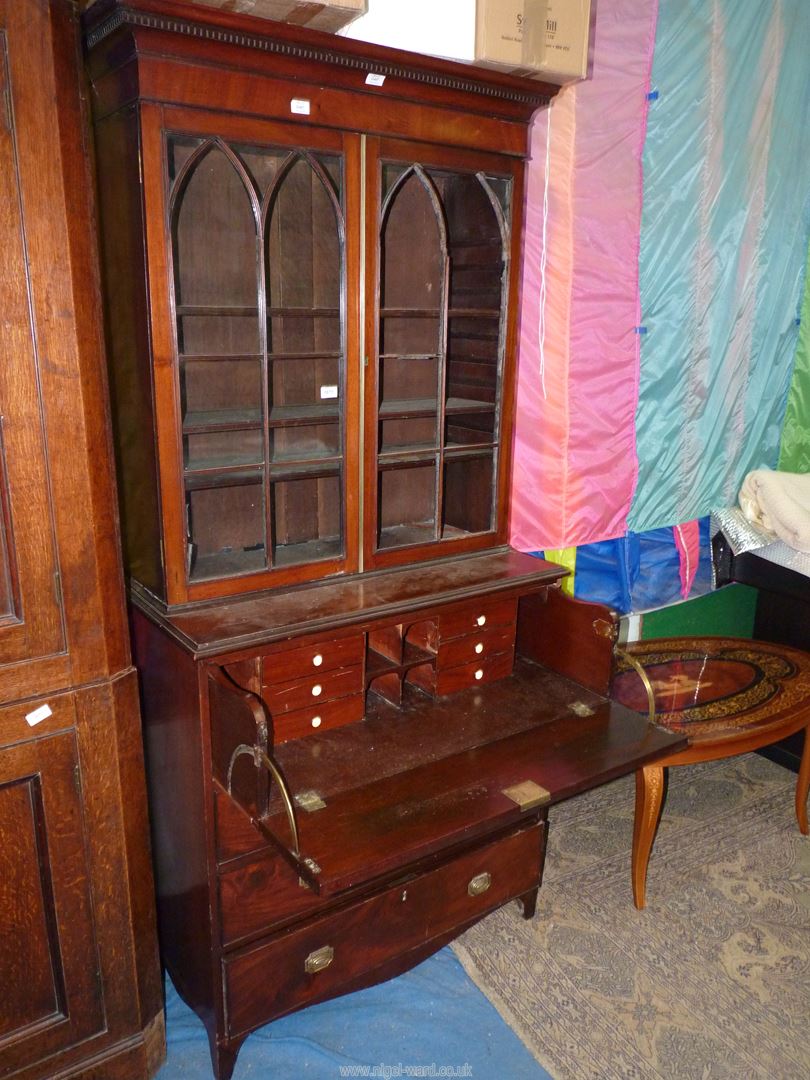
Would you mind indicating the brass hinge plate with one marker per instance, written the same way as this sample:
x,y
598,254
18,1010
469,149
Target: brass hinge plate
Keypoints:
x,y
527,794
309,801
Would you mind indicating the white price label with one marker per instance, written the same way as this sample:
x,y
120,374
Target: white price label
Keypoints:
x,y
300,106
328,392
373,79
36,716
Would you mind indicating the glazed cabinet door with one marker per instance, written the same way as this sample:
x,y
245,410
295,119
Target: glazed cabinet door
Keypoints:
x,y
50,998
441,262
30,610
257,276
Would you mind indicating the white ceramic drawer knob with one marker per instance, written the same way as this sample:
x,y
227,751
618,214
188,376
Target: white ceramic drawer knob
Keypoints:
x,y
479,648
316,721
317,660
480,673
317,690
481,620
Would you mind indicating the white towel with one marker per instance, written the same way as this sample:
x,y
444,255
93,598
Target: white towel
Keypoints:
x,y
779,502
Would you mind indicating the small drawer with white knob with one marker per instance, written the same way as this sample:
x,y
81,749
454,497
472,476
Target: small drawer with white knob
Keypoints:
x,y
313,659
475,673
318,717
476,618
313,691
480,646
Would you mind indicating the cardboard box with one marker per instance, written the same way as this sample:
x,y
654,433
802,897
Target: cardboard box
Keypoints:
x,y
329,15
544,39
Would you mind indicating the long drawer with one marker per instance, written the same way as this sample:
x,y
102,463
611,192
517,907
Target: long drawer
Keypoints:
x,y
313,962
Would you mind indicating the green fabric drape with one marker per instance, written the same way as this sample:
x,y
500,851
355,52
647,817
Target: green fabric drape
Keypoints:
x,y
794,451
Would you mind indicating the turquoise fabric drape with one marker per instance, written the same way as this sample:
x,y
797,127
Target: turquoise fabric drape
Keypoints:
x,y
723,240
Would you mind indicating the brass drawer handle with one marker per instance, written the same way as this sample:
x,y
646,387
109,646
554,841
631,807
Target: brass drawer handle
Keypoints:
x,y
317,690
479,648
317,659
481,620
479,884
319,959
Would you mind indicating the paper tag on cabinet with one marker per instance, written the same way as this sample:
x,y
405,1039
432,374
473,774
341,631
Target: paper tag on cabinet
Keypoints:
x,y
328,392
36,716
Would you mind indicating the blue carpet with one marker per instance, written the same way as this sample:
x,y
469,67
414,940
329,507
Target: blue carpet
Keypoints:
x,y
433,1015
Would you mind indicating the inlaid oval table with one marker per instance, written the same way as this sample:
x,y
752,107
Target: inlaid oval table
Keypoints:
x,y
727,696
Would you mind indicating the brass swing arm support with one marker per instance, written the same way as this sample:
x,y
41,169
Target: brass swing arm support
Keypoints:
x,y
642,674
262,759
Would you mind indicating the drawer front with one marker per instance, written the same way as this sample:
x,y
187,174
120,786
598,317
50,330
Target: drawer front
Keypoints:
x,y
303,693
476,647
477,616
451,680
313,962
282,667
318,717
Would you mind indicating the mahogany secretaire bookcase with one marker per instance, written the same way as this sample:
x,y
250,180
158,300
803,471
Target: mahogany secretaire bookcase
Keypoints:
x,y
311,251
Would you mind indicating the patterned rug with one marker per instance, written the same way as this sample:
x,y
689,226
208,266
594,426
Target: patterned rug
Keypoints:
x,y
711,980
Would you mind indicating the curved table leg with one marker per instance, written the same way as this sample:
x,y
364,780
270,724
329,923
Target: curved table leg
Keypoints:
x,y
649,796
803,784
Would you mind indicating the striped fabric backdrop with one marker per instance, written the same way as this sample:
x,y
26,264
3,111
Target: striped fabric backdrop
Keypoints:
x,y
665,265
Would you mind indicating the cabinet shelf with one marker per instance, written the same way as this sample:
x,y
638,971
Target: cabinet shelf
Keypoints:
x,y
319,355
409,313
430,406
231,310
377,664
406,458
392,453
474,313
222,476
217,474
303,312
409,356
198,357
203,422
298,415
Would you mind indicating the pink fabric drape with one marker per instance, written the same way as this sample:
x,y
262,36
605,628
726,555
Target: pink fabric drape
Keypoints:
x,y
575,460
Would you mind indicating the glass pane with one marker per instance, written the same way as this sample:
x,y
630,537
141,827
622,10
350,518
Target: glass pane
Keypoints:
x,y
306,520
407,434
226,530
412,225
223,450
305,381
468,496
409,377
221,391
215,242
407,505
181,147
304,442
469,429
412,344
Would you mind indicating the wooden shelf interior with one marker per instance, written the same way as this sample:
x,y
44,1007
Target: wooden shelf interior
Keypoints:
x,y
441,350
261,352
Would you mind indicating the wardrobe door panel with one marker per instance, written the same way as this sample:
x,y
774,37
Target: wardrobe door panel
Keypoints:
x,y
30,610
51,995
